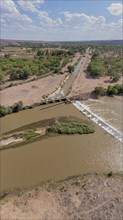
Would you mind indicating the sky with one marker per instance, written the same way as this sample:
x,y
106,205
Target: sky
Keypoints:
x,y
61,20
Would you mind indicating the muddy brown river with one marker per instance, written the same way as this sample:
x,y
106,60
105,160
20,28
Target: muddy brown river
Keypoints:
x,y
108,108
58,157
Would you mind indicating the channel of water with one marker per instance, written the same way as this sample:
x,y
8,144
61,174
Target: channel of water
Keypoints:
x,y
59,157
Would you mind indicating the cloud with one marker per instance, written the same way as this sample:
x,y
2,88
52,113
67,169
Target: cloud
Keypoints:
x,y
24,18
90,27
42,16
11,15
83,21
48,22
115,9
30,5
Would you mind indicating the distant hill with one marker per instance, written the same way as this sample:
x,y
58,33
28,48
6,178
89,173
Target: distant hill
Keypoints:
x,y
7,42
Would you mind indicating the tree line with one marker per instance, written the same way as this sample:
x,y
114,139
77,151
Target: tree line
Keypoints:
x,y
42,63
107,61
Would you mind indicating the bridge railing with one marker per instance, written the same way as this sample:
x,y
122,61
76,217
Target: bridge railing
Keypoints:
x,y
54,99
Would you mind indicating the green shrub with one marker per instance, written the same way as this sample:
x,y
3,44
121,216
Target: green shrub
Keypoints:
x,y
70,68
96,67
3,110
118,87
26,134
71,128
114,90
1,76
17,107
110,174
115,78
99,91
19,74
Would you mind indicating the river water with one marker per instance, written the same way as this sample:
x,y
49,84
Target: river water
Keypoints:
x,y
108,108
58,157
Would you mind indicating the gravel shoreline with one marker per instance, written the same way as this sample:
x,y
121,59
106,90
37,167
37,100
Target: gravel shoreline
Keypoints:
x,y
87,197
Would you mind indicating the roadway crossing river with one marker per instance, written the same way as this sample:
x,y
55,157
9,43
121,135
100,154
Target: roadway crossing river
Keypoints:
x,y
110,129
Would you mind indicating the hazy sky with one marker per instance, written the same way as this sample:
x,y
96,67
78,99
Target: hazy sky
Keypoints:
x,y
61,19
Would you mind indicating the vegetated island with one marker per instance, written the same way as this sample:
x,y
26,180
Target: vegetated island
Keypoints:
x,y
45,129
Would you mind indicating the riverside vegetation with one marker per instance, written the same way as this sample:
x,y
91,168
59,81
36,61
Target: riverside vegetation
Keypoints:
x,y
111,90
107,60
5,110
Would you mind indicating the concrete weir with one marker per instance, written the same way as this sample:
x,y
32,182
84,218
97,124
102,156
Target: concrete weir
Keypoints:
x,y
111,130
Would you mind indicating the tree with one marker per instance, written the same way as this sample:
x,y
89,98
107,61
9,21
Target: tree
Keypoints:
x,y
3,110
118,87
70,68
19,74
41,71
13,74
112,90
24,74
97,66
39,53
99,91
56,69
115,78
17,107
1,76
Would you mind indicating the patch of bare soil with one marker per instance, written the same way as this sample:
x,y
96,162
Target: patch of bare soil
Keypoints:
x,y
10,83
9,141
89,197
31,92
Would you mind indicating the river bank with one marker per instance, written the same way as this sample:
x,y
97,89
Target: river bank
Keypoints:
x,y
83,197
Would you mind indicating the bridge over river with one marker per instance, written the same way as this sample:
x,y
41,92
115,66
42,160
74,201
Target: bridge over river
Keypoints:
x,y
60,98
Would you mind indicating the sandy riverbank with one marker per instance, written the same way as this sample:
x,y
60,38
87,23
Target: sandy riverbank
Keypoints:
x,y
85,197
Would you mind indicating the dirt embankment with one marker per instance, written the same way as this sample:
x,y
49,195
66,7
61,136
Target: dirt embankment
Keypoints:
x,y
89,197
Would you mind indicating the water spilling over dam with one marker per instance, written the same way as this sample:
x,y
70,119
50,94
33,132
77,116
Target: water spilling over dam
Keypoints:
x,y
98,120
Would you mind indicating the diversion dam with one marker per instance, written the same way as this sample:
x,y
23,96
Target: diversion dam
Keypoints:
x,y
98,120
